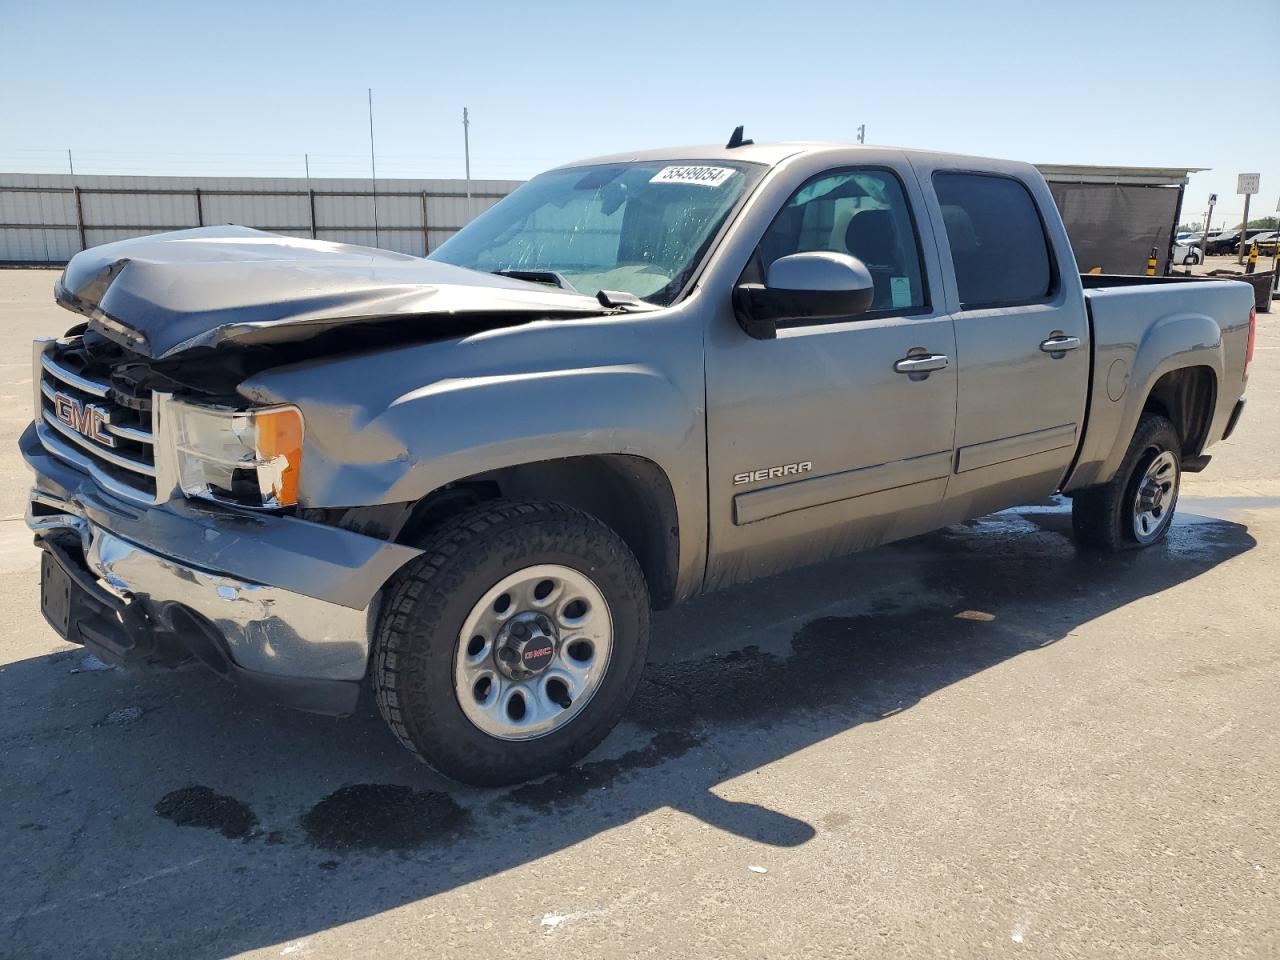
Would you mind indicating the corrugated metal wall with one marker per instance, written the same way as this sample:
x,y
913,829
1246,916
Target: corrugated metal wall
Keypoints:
x,y
47,218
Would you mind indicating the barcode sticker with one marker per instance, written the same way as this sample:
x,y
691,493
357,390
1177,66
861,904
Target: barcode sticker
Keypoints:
x,y
701,176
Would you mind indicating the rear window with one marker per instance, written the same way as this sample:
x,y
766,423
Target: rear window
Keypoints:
x,y
998,247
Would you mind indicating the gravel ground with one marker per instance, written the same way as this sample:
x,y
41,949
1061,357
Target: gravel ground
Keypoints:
x,y
979,743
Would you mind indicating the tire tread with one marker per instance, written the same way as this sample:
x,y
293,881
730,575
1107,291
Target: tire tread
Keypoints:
x,y
1098,513
420,590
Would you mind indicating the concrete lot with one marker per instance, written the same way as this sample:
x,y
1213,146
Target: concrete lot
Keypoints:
x,y
978,743
1266,264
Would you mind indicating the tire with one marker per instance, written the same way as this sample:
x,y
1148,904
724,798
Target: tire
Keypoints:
x,y
1107,517
420,662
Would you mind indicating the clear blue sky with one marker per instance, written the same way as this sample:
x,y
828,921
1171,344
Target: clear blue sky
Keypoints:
x,y
248,88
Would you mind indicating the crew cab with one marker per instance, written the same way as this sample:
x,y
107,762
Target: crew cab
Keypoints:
x,y
467,479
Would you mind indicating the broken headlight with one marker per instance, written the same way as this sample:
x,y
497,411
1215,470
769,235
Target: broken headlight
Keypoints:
x,y
247,457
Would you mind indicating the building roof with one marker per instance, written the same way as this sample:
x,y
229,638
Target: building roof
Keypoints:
x,y
1134,176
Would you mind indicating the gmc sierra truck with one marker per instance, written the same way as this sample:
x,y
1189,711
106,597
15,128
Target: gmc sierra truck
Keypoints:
x,y
467,479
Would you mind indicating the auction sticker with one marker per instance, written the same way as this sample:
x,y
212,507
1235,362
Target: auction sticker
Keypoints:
x,y
701,176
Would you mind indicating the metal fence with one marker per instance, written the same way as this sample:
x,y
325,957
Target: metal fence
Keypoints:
x,y
47,218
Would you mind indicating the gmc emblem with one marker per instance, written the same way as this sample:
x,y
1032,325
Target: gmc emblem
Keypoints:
x,y
87,419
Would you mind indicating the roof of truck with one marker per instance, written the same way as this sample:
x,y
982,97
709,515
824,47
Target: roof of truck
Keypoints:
x,y
766,153
774,153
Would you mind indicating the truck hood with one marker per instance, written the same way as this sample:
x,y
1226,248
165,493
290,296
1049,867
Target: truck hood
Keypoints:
x,y
165,294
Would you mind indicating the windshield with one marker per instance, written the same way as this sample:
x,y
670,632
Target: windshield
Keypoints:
x,y
637,228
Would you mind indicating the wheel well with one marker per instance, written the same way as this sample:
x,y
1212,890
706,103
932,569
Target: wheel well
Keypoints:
x,y
1187,398
631,495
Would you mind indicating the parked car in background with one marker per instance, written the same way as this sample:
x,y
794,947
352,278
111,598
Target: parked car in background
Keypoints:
x,y
1222,243
1229,242
1266,242
1185,253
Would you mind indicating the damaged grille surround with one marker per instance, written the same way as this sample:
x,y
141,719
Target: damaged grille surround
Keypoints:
x,y
106,414
81,419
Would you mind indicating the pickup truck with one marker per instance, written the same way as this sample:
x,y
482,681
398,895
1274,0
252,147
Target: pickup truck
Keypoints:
x,y
466,480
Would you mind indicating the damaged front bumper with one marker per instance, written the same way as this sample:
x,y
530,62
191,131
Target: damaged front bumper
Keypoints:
x,y
280,605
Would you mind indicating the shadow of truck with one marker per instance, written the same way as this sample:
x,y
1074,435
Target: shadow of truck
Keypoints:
x,y
317,822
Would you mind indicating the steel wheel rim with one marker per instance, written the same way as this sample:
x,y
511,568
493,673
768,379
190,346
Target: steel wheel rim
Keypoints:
x,y
515,707
1155,498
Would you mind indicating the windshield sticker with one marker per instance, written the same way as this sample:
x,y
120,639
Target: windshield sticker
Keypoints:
x,y
900,289
701,176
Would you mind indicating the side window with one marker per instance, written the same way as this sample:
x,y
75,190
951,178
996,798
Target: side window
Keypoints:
x,y
998,246
859,212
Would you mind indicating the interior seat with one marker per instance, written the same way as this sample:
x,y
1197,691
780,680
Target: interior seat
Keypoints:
x,y
872,237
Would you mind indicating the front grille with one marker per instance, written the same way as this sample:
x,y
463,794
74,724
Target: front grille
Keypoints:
x,y
84,423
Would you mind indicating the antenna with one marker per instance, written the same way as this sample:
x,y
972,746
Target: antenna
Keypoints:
x,y
736,140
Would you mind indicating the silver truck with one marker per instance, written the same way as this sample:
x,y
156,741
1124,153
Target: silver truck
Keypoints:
x,y
467,479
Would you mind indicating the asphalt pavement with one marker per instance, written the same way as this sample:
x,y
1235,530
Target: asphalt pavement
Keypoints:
x,y
979,743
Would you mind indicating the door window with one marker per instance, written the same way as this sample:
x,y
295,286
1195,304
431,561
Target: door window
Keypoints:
x,y
863,213
998,246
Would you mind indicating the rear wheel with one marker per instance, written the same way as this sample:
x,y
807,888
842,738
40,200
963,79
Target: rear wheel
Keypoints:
x,y
513,645
1136,508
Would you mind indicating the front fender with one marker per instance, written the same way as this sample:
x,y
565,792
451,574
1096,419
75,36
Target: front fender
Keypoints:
x,y
394,426
455,428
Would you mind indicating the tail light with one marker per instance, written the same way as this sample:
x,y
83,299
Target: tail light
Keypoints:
x,y
1253,330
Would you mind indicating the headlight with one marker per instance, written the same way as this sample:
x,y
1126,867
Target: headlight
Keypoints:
x,y
247,457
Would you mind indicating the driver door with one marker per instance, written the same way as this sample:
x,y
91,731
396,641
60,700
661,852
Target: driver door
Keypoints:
x,y
821,442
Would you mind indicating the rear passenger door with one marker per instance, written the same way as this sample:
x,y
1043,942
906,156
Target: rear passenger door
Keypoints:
x,y
1022,336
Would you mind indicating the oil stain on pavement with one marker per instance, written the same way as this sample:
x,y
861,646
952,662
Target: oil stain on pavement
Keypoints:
x,y
382,817
198,806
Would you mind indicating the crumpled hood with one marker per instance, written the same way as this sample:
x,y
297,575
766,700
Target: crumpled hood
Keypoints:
x,y
163,294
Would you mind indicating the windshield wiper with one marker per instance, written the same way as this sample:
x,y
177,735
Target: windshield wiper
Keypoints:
x,y
547,277
621,300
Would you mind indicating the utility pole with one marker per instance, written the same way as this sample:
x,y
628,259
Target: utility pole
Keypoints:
x,y
466,146
373,171
1275,258
71,166
306,161
1244,228
1204,237
862,133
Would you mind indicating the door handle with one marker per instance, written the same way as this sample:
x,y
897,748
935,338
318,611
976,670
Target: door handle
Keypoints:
x,y
922,363
1059,344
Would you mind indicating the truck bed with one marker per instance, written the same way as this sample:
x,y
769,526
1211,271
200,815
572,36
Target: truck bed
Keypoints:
x,y
1135,324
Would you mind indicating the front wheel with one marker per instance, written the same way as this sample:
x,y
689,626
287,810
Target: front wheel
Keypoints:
x,y
513,645
1135,509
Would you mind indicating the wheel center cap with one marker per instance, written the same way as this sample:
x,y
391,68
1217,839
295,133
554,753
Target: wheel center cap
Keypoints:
x,y
526,645
1151,495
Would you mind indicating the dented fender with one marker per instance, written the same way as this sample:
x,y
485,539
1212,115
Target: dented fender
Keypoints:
x,y
395,425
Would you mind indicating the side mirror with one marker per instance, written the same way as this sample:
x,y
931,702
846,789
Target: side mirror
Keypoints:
x,y
804,286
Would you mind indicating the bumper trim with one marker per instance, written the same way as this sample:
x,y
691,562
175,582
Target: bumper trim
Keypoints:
x,y
340,567
1235,418
231,624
